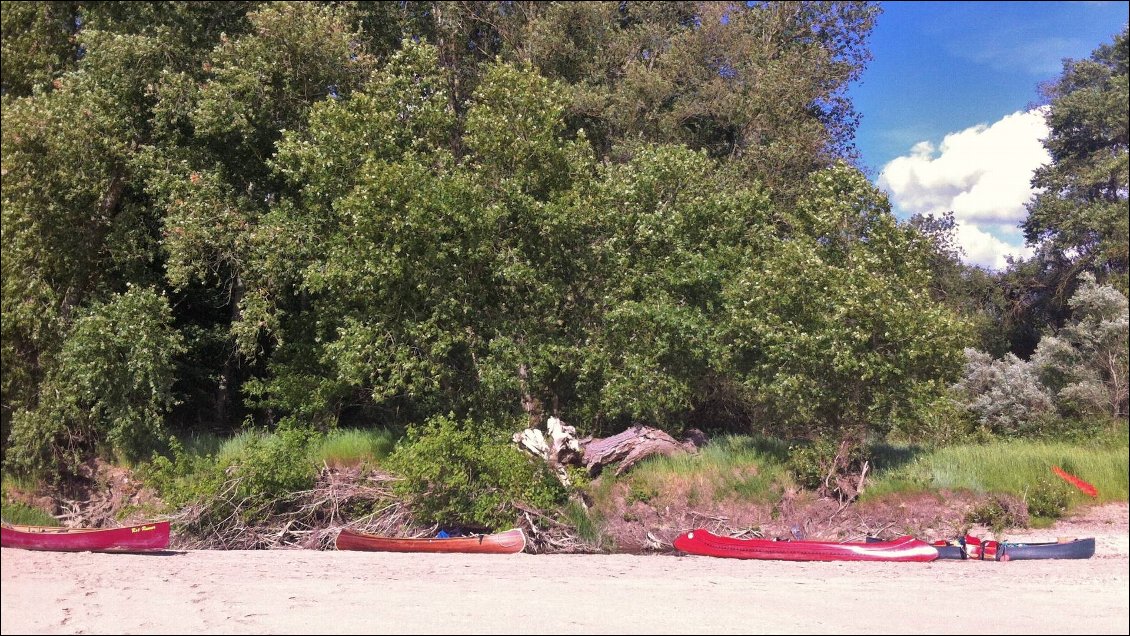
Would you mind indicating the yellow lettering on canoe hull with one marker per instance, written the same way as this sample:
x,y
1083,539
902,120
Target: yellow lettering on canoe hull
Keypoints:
x,y
143,529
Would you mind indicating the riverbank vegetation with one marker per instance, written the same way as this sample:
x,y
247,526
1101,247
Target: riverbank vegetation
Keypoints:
x,y
251,248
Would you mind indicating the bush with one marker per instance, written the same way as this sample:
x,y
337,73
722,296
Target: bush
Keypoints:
x,y
109,389
1048,499
811,464
1005,396
935,421
465,474
255,478
999,512
1085,363
274,467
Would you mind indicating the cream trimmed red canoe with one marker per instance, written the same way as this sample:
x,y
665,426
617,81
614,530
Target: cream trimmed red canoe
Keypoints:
x,y
706,543
508,542
139,538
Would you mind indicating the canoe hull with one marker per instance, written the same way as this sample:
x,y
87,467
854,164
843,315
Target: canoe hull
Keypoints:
x,y
705,543
139,538
508,542
1077,549
970,547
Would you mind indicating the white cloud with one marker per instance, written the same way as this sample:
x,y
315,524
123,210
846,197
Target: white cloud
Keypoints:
x,y
982,174
986,250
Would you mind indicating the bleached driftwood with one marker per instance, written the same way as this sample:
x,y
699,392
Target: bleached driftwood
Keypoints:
x,y
565,449
594,454
532,441
630,447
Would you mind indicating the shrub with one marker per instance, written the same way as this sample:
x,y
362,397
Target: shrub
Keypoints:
x,y
812,463
1005,396
274,467
935,420
109,389
1048,499
247,481
809,463
999,512
1085,364
465,474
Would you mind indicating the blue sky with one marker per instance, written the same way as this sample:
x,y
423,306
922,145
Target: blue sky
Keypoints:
x,y
945,106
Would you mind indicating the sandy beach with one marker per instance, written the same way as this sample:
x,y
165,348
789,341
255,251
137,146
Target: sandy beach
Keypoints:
x,y
324,592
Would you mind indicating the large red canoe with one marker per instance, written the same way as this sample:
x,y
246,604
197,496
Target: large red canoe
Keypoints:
x,y
507,542
703,542
147,536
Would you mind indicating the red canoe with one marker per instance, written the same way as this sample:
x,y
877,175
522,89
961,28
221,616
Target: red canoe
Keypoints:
x,y
703,542
507,542
148,536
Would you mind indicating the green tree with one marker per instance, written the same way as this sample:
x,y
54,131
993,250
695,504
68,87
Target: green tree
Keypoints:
x,y
430,270
674,231
109,391
1085,364
833,328
210,176
977,294
37,42
1080,216
759,84
77,227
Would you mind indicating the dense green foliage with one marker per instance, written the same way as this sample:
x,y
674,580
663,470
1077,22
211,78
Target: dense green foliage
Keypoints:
x,y
1080,218
433,215
1078,372
249,478
463,475
111,386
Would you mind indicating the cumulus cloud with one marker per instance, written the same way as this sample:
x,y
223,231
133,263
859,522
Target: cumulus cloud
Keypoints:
x,y
986,250
982,174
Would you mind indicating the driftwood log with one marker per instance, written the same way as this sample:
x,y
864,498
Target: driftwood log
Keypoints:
x,y
629,448
623,449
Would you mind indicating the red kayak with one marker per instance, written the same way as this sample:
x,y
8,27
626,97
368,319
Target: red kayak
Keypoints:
x,y
509,542
705,543
139,538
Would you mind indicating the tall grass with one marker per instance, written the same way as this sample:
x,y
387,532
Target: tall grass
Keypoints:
x,y
588,524
235,447
736,467
200,444
20,514
338,449
1011,467
354,447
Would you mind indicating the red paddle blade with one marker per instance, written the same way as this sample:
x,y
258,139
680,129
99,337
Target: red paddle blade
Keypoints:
x,y
1083,486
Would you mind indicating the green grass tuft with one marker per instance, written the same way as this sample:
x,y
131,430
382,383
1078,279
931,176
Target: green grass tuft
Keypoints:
x,y
24,515
737,467
354,447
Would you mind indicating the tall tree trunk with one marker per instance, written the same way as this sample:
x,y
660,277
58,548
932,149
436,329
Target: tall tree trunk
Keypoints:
x,y
227,374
